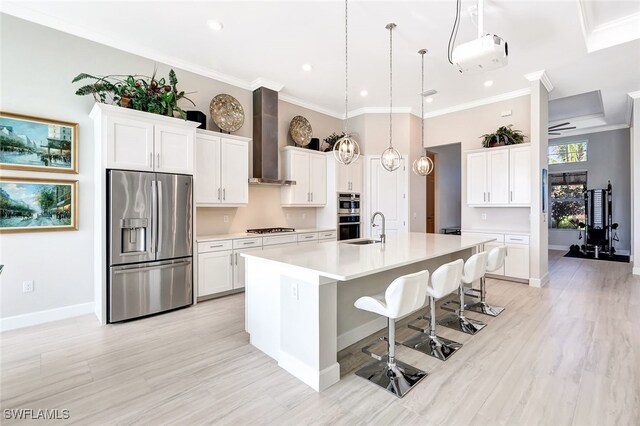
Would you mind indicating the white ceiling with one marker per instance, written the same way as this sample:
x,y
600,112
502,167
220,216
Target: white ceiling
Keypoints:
x,y
270,40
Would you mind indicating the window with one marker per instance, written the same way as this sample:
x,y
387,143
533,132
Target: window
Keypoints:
x,y
571,152
566,191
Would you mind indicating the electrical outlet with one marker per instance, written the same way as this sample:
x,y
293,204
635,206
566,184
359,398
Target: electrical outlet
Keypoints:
x,y
415,215
506,113
288,215
304,215
226,218
484,216
27,286
294,291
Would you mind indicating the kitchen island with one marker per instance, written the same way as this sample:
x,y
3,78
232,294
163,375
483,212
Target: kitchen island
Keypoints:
x,y
299,299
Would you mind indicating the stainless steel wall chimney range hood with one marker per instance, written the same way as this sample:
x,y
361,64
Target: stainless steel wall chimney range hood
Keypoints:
x,y
265,139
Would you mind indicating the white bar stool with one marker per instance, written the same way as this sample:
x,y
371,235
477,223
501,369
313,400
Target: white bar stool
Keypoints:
x,y
444,281
495,260
403,296
474,268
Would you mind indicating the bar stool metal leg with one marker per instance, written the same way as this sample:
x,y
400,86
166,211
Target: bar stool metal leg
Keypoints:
x,y
459,322
428,342
395,376
482,306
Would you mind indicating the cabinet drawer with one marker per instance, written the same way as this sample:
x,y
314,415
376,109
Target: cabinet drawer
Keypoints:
x,y
214,246
328,235
311,236
247,242
279,239
499,238
516,239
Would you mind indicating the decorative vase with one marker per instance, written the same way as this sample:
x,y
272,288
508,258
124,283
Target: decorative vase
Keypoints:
x,y
125,102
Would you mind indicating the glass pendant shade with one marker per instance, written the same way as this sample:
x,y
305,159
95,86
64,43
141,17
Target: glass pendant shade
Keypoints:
x,y
422,166
390,159
346,150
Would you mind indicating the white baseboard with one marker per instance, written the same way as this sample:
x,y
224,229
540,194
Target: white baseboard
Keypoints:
x,y
539,282
352,336
318,380
41,317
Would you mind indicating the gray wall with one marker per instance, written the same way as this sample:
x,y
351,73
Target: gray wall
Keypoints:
x,y
448,185
607,159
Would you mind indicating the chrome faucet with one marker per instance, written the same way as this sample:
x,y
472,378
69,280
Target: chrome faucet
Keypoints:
x,y
383,236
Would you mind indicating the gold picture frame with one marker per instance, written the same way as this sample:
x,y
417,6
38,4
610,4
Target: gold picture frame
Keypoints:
x,y
38,205
38,144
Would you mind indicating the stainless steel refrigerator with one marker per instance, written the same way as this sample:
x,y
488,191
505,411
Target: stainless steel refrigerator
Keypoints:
x,y
150,243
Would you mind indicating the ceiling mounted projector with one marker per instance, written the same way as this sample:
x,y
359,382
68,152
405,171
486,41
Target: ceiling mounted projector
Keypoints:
x,y
482,54
485,53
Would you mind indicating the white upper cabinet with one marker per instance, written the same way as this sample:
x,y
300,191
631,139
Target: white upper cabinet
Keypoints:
x,y
349,177
136,140
173,148
222,170
499,177
309,170
520,175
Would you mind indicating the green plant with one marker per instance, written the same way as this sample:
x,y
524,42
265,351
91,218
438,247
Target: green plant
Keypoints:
x,y
505,135
332,139
136,91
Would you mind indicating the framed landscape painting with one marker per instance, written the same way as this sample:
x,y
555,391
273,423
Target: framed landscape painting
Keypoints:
x,y
38,144
32,205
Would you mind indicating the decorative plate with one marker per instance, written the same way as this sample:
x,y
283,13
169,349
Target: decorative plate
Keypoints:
x,y
226,112
300,130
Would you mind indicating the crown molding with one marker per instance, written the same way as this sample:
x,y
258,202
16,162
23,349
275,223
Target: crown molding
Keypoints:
x,y
308,105
631,96
263,82
478,102
608,34
542,77
589,130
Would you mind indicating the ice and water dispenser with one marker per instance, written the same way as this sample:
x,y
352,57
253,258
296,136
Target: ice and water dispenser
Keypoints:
x,y
134,235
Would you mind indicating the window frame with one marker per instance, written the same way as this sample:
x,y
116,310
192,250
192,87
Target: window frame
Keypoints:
x,y
586,146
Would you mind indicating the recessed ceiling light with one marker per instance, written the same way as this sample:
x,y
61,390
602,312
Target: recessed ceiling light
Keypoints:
x,y
215,25
306,67
429,100
488,83
363,93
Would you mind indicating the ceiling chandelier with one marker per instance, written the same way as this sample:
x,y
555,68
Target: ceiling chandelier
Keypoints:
x,y
390,158
422,166
346,150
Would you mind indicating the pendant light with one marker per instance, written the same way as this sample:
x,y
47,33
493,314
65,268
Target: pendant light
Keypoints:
x,y
346,150
422,166
390,158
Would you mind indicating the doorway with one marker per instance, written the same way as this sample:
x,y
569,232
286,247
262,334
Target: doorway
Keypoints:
x,y
387,194
431,195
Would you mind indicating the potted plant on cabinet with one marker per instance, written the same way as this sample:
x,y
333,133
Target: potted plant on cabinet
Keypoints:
x,y
505,135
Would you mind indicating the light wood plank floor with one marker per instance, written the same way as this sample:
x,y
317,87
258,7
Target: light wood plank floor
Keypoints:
x,y
567,354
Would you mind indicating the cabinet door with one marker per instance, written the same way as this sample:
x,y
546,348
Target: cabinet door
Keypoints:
x,y
490,246
355,176
207,176
215,272
318,179
343,181
239,273
129,144
516,263
235,172
477,178
498,173
297,168
173,148
520,175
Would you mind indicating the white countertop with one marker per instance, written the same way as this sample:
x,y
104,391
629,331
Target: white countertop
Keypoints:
x,y
219,237
342,261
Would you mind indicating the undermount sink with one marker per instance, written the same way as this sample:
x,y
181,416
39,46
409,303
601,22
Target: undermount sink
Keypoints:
x,y
362,242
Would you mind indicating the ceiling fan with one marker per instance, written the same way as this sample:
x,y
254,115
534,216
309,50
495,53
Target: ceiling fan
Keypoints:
x,y
553,130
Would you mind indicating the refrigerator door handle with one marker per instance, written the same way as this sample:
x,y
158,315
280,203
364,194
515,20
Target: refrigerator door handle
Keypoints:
x,y
160,220
154,210
149,268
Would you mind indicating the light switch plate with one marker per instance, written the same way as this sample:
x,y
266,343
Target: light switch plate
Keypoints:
x,y
484,216
27,286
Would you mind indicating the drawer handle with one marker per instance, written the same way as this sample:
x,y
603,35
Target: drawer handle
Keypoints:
x,y
216,246
248,243
516,239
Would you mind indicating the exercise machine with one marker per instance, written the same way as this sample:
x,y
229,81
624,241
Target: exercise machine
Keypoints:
x,y
599,230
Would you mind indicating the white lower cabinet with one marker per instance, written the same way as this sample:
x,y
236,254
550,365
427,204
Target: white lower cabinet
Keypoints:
x,y
516,262
239,274
215,272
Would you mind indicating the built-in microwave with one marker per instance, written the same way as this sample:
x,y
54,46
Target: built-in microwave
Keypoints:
x,y
348,204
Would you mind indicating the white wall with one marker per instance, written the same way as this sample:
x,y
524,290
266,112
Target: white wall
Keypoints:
x,y
448,185
37,67
607,159
466,127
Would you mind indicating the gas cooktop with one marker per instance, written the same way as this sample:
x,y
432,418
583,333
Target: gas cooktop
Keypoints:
x,y
269,230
